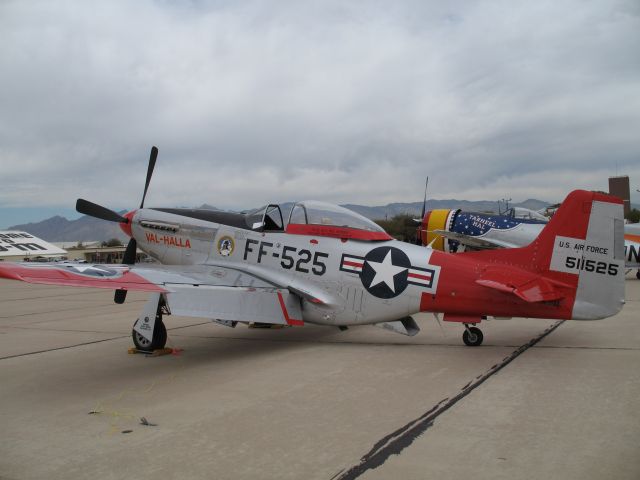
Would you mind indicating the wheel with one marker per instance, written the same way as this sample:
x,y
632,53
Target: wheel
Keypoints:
x,y
159,337
472,337
638,274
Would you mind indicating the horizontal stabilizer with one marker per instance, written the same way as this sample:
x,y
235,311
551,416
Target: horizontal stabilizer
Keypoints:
x,y
527,286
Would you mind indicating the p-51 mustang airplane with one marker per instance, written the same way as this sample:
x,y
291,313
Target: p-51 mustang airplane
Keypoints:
x,y
330,266
449,230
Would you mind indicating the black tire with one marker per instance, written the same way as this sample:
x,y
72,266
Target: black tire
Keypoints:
x,y
472,337
159,338
638,274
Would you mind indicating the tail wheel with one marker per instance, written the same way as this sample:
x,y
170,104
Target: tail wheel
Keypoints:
x,y
472,336
159,338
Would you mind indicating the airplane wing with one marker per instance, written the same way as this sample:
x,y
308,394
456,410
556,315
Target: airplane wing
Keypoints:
x,y
199,291
15,243
475,242
525,285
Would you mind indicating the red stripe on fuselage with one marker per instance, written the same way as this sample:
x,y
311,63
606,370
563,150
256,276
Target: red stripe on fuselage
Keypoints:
x,y
336,232
347,263
422,277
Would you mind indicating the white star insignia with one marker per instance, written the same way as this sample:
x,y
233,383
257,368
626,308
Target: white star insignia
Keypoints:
x,y
385,272
91,268
83,268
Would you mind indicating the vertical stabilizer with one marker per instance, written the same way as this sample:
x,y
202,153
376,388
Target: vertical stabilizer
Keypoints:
x,y
598,260
582,248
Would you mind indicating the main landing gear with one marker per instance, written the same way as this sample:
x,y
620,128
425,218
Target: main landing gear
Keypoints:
x,y
159,339
151,335
472,336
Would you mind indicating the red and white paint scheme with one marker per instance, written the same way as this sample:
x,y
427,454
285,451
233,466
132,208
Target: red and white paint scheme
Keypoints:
x,y
330,266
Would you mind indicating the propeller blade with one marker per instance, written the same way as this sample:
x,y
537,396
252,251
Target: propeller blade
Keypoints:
x,y
128,259
130,253
152,163
98,211
424,203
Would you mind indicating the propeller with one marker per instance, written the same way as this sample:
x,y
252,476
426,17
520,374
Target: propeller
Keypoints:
x,y
424,203
152,163
424,211
98,211
129,258
94,210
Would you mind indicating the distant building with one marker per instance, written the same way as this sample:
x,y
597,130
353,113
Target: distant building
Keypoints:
x,y
99,254
619,186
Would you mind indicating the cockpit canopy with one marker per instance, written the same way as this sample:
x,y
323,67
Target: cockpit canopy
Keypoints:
x,y
525,214
306,218
325,219
267,218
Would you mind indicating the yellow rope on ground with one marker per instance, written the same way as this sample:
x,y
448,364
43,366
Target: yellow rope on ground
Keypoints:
x,y
106,406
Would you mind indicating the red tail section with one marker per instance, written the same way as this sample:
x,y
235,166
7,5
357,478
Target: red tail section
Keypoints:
x,y
574,269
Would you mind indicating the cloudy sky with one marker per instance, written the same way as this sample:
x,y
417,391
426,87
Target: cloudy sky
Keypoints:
x,y
257,101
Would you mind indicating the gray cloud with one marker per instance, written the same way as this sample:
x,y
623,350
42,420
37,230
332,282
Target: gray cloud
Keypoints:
x,y
253,102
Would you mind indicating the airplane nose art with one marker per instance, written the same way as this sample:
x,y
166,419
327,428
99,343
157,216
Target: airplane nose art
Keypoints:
x,y
126,227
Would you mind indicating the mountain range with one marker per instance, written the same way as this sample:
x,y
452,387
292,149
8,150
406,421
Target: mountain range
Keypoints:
x,y
85,229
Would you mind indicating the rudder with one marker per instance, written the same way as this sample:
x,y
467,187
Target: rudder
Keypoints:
x,y
582,247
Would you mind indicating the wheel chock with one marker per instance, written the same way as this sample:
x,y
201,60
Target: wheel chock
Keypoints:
x,y
156,353
274,326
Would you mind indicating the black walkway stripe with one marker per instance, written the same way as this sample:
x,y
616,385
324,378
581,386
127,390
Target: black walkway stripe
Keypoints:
x,y
84,343
396,442
62,348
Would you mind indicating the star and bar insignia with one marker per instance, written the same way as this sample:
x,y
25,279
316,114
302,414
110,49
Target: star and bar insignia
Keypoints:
x,y
386,272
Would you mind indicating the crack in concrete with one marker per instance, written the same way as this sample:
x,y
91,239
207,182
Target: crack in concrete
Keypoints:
x,y
397,441
84,343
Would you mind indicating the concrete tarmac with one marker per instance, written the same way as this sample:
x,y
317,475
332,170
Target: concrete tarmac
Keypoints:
x,y
539,399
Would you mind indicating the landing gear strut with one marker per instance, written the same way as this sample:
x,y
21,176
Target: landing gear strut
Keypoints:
x,y
159,336
472,336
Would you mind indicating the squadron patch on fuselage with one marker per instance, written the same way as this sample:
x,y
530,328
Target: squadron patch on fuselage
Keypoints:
x,y
226,246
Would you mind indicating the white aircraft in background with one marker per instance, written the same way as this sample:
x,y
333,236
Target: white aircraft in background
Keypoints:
x,y
15,243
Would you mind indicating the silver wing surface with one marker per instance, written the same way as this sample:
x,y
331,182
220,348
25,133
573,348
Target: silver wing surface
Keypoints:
x,y
211,292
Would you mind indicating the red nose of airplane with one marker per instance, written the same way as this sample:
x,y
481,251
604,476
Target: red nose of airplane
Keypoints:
x,y
126,227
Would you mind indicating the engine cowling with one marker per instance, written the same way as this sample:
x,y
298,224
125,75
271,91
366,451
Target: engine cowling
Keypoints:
x,y
440,219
